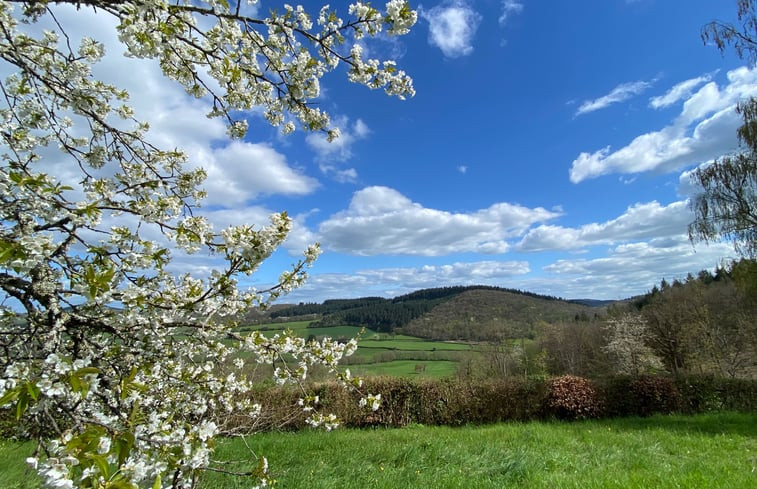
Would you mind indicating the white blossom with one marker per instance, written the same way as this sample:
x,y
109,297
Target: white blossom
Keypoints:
x,y
130,357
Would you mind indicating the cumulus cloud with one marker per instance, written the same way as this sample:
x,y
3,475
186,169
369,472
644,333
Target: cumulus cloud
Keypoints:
x,y
452,26
626,270
679,91
338,150
509,8
380,220
462,169
391,282
238,171
621,93
705,129
630,269
641,221
242,171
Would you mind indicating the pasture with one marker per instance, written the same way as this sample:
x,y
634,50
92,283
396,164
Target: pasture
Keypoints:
x,y
708,450
382,353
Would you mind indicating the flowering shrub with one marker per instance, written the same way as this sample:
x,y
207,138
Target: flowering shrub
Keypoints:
x,y
101,345
627,344
571,397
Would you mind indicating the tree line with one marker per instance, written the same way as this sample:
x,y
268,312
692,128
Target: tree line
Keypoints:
x,y
704,324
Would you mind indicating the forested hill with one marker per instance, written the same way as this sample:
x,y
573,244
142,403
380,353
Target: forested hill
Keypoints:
x,y
470,313
485,315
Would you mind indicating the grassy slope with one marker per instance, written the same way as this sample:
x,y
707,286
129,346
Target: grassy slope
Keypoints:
x,y
14,473
712,451
705,451
407,368
380,353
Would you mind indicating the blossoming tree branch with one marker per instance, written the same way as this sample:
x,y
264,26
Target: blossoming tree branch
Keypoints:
x,y
108,358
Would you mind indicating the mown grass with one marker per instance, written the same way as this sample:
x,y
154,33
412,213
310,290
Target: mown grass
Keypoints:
x,y
414,344
14,472
407,368
705,451
374,356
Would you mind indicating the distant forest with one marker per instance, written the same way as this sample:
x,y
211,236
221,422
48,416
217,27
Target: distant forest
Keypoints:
x,y
386,315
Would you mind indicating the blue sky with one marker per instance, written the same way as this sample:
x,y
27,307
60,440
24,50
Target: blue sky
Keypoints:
x,y
547,149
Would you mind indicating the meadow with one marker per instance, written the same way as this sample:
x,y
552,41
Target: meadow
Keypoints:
x,y
717,450
382,354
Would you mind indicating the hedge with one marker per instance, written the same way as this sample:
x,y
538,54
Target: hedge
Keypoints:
x,y
454,402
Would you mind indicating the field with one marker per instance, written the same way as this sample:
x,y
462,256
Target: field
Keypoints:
x,y
712,451
381,353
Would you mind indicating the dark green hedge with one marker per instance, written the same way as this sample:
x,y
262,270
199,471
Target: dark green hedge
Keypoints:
x,y
454,402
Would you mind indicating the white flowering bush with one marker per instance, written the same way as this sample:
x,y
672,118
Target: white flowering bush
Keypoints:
x,y
110,360
628,345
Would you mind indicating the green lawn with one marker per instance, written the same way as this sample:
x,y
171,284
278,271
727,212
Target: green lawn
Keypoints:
x,y
374,355
706,451
413,344
406,368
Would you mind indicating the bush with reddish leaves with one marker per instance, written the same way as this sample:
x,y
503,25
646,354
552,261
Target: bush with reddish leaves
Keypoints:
x,y
571,397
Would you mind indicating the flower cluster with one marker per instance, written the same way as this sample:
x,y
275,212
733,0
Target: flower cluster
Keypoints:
x,y
122,370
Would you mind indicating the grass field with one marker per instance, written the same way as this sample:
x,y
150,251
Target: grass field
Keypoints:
x,y
406,368
381,353
705,451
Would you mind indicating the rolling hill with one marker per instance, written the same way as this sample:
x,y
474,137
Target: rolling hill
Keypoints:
x,y
484,315
476,313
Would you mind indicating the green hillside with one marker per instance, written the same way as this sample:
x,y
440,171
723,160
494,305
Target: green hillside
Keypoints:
x,y
474,313
484,315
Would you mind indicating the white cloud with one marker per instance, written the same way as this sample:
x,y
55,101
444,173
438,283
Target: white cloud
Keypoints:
x,y
381,221
462,169
509,8
237,171
241,171
705,129
341,175
452,26
640,221
688,186
679,91
391,282
626,270
340,148
629,269
618,94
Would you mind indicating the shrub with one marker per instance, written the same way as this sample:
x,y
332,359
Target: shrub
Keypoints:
x,y
702,393
653,395
571,397
454,402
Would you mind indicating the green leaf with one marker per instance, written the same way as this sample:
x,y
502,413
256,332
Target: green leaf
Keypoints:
x,y
101,462
22,404
32,390
87,371
10,396
122,445
9,251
